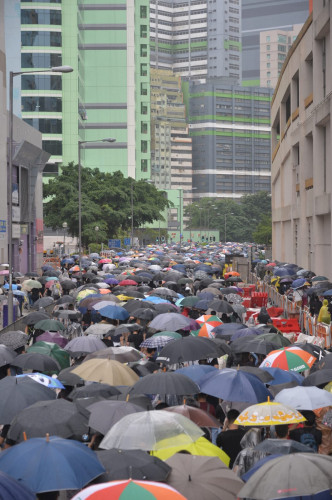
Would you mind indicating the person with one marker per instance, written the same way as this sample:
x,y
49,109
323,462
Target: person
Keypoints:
x,y
35,295
205,405
282,431
229,438
263,316
248,456
308,434
324,316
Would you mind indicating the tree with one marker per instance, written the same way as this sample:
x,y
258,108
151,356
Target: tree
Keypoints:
x,y
105,202
263,233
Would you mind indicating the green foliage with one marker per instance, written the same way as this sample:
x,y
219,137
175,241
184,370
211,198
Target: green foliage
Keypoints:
x,y
106,203
263,233
240,218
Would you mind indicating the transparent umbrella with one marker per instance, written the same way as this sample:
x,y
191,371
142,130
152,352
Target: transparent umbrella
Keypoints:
x,y
151,431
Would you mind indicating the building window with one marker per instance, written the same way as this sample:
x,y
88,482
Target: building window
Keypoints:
x,y
31,60
144,88
268,38
144,31
143,12
41,82
38,103
53,147
41,39
268,56
282,38
144,128
268,47
46,125
268,65
282,48
144,69
40,16
144,165
144,50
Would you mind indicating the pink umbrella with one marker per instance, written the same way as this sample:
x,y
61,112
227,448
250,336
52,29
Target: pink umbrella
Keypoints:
x,y
4,272
48,284
54,337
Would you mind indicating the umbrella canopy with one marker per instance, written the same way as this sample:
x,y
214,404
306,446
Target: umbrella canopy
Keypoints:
x,y
196,415
30,284
12,489
289,358
56,418
33,318
319,377
281,376
107,371
165,383
282,447
189,301
18,393
156,342
196,373
259,344
169,321
269,413
114,312
188,349
123,354
132,464
104,414
221,306
93,390
80,346
203,477
49,325
305,398
14,339
235,385
54,338
174,335
36,361
130,489
100,329
46,380
53,351
299,475
58,464
263,375
43,302
144,314
7,355
151,431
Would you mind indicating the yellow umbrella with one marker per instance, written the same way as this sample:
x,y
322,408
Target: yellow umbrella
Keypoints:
x,y
124,298
202,447
85,293
269,413
328,387
106,371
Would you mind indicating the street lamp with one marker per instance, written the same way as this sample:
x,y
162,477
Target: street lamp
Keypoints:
x,y
231,213
64,225
12,74
80,144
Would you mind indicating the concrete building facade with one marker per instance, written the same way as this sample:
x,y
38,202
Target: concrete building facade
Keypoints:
x,y
196,38
230,127
264,15
301,148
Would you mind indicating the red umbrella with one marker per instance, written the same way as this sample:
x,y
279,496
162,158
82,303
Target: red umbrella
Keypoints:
x,y
127,283
105,261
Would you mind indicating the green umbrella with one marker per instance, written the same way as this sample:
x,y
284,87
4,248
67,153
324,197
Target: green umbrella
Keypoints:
x,y
50,325
174,335
189,301
52,350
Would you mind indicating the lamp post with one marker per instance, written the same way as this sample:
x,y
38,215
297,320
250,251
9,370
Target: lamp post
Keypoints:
x,y
64,225
208,221
231,213
12,74
132,214
80,144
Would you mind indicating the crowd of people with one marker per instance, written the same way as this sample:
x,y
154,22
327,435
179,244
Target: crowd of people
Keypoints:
x,y
152,351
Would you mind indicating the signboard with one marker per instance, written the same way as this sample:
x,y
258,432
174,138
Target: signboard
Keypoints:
x,y
127,242
16,231
114,243
16,217
3,225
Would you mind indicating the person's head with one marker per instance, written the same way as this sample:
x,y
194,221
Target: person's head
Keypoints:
x,y
213,313
310,417
281,431
232,416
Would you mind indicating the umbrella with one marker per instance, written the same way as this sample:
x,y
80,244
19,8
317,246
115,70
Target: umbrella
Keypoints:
x,y
71,315
80,346
93,390
56,418
243,332
129,489
209,318
188,349
54,338
53,351
144,314
323,364
49,325
33,318
14,339
269,413
298,283
36,361
165,383
281,376
18,393
132,305
263,375
196,372
100,329
106,371
12,489
315,350
282,447
66,299
43,302
123,354
189,301
156,342
235,385
169,321
174,335
68,378
58,464
289,358
202,305
104,414
221,306
327,419
114,312
30,284
305,398
46,380
205,478
151,431
257,344
275,389
295,475
132,464
7,355
196,415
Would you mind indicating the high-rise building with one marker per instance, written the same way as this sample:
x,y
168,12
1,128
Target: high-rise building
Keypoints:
x,y
274,46
107,95
196,38
264,15
230,127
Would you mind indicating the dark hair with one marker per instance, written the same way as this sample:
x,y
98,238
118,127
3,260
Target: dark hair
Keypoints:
x,y
232,415
309,416
281,430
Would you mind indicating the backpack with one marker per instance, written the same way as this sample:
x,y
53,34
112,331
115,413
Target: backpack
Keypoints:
x,y
309,440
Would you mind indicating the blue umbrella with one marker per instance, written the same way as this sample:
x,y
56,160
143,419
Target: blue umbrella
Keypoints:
x,y
41,378
196,372
156,300
19,293
12,490
6,286
282,376
51,464
298,283
203,305
179,267
235,385
114,312
281,271
47,268
67,261
206,296
328,293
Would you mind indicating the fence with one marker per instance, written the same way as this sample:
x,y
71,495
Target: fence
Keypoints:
x,y
19,323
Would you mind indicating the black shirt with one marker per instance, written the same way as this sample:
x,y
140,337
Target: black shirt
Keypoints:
x,y
301,435
229,442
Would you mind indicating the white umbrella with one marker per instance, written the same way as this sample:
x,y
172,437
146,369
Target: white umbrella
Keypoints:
x,y
304,398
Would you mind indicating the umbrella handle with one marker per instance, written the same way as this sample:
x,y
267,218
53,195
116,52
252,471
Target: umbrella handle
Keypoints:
x,y
25,436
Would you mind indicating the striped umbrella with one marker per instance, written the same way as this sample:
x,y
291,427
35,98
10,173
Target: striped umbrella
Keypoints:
x,y
129,489
289,358
209,318
206,331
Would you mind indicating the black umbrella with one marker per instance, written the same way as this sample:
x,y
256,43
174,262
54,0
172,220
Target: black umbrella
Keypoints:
x,y
137,399
7,355
323,364
104,414
93,390
263,375
32,274
68,378
253,344
163,308
56,418
319,377
144,314
165,383
66,299
67,314
14,339
18,393
132,464
42,280
36,361
222,347
144,289
315,350
274,389
188,349
228,328
67,285
127,328
135,294
143,368
221,306
33,318
133,305
43,302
